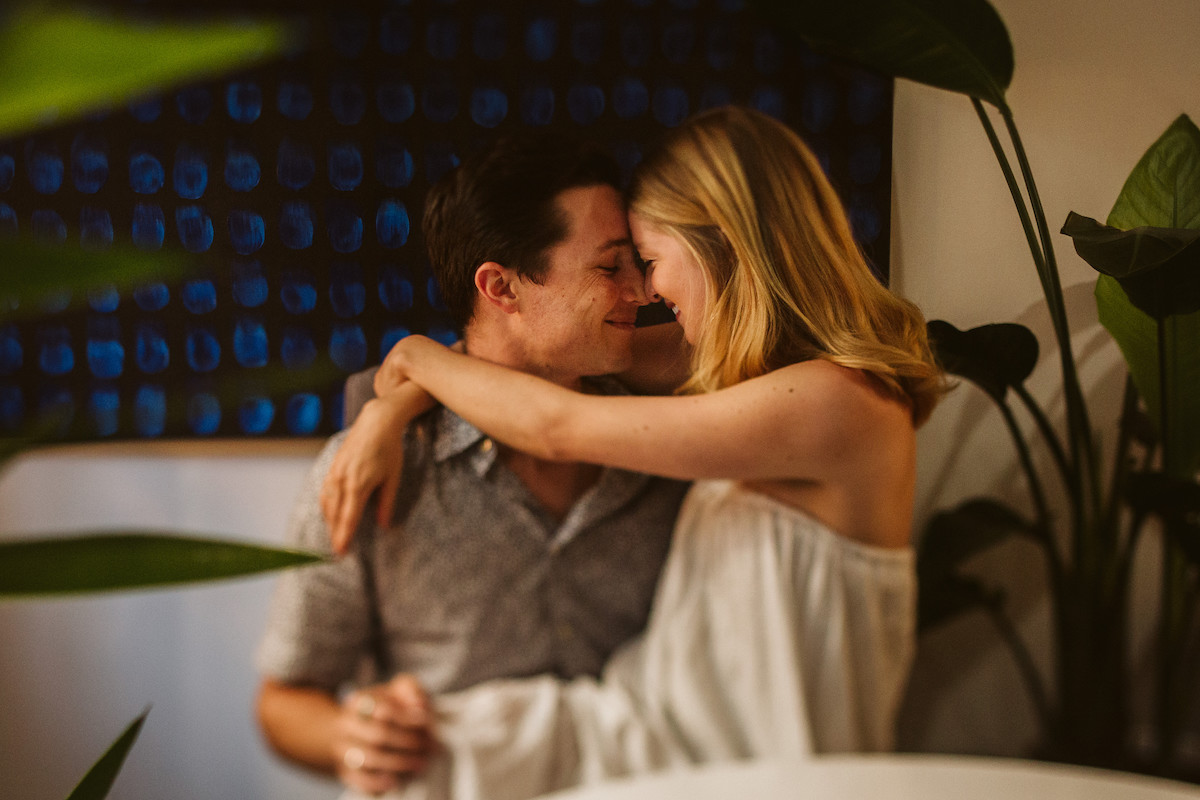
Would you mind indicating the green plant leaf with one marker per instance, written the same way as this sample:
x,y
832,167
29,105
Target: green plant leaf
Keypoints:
x,y
958,45
59,64
994,357
33,271
1163,191
96,784
107,561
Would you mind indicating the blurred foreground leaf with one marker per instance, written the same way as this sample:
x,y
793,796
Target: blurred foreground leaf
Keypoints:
x,y
99,779
117,560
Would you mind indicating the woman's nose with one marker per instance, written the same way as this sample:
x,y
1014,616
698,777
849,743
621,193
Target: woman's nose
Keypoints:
x,y
651,295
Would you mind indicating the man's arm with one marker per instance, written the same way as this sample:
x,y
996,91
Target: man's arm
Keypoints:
x,y
373,742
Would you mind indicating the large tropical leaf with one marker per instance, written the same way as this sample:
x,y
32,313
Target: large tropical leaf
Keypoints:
x,y
994,357
58,64
96,784
1160,345
958,45
108,561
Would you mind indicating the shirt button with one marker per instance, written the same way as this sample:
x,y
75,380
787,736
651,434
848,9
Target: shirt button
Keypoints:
x,y
485,446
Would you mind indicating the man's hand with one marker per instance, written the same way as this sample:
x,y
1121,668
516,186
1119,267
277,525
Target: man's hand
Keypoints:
x,y
371,457
384,735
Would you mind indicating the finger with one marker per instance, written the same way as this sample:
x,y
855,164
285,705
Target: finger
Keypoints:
x,y
386,733
349,513
387,499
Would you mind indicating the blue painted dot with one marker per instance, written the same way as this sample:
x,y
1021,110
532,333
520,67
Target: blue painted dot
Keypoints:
x,y
12,354
152,296
441,38
818,105
440,158
190,173
439,99
294,100
89,164
45,168
393,164
298,293
242,171
8,220
537,105
296,225
250,288
303,414
255,415
587,40
199,296
867,99
585,103
8,168
151,352
395,291
337,409
95,228
295,164
104,299
678,40
721,46
349,35
247,231
768,53
250,342
195,228
392,224
347,295
636,43
243,101
297,349
389,338
345,230
489,38
55,354
149,226
106,358
396,101
204,414
395,33
670,105
768,100
630,98
489,106
56,302
348,346
194,104
104,406
347,101
202,350
345,166
48,226
715,95
146,175
12,407
150,411
442,333
865,161
541,38
147,110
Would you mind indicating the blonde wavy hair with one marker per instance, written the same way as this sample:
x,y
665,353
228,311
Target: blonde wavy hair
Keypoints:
x,y
786,280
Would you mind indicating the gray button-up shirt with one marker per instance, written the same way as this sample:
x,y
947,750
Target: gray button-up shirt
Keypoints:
x,y
475,580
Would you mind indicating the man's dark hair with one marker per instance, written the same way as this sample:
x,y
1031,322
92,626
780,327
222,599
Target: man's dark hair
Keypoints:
x,y
499,205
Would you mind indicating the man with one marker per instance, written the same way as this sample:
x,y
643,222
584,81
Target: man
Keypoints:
x,y
498,564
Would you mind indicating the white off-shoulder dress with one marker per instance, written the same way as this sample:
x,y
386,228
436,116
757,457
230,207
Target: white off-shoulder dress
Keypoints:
x,y
771,636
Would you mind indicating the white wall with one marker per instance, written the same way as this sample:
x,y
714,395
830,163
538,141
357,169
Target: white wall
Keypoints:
x,y
1096,82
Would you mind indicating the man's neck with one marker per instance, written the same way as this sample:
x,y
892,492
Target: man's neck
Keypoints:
x,y
511,353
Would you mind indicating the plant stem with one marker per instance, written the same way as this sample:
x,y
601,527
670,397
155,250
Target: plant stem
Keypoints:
x,y
1042,525
1048,433
1024,661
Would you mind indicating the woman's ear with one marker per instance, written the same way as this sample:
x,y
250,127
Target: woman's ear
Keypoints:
x,y
498,285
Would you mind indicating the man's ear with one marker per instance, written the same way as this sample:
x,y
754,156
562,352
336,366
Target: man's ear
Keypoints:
x,y
498,285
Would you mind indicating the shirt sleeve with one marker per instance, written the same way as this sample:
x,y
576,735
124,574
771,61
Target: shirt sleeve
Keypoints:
x,y
318,629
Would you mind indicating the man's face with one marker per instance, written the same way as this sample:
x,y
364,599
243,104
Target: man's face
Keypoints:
x,y
580,320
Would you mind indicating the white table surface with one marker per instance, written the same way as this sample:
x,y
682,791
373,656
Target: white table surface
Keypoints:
x,y
890,777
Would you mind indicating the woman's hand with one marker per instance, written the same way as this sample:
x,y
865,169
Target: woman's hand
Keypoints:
x,y
371,457
384,735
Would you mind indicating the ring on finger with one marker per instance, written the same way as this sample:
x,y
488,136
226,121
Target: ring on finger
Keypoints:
x,y
354,758
364,706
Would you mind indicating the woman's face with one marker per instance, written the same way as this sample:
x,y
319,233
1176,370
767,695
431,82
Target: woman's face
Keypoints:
x,y
672,274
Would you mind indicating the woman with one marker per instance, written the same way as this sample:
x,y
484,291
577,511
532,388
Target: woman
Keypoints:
x,y
783,624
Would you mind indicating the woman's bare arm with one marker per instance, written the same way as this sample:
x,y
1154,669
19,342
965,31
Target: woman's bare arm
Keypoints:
x,y
661,360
